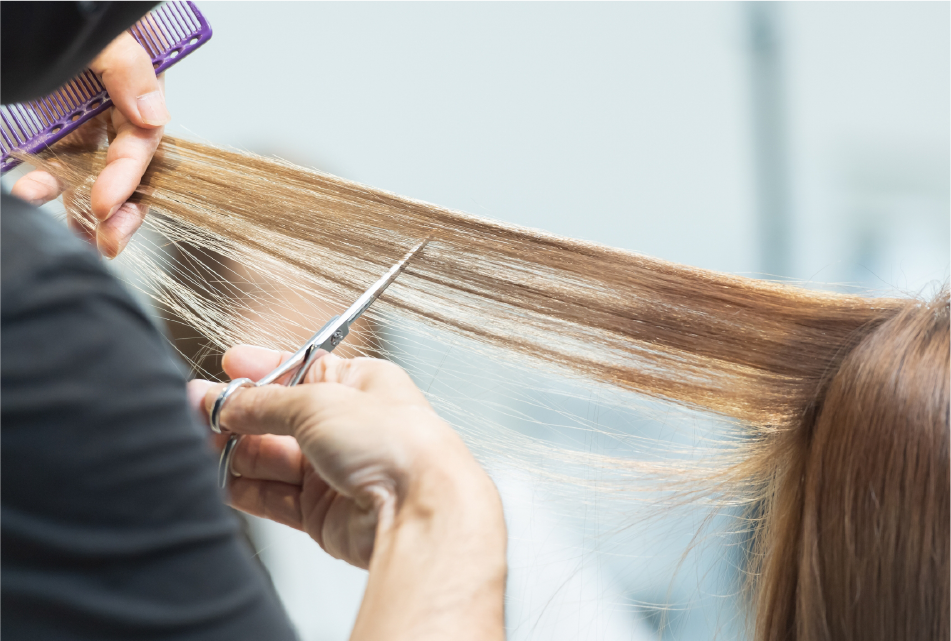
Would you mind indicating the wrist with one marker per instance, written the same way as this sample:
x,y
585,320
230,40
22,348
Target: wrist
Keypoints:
x,y
451,492
438,566
453,505
442,488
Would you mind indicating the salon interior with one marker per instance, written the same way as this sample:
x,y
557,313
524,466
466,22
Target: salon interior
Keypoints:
x,y
801,142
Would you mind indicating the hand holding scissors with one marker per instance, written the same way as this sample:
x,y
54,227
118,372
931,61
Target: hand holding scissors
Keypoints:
x,y
323,342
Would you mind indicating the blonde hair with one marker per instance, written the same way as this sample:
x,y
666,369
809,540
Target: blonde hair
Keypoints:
x,y
816,381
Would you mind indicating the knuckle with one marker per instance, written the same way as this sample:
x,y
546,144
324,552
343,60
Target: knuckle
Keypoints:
x,y
123,56
304,411
258,500
247,407
252,447
378,368
125,50
324,369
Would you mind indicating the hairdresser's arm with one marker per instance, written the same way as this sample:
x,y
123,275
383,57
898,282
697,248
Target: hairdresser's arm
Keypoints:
x,y
138,118
360,461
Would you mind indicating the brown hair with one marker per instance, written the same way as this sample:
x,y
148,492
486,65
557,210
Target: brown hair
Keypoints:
x,y
855,544
843,398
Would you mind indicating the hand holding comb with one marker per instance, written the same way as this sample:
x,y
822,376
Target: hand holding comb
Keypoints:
x,y
168,33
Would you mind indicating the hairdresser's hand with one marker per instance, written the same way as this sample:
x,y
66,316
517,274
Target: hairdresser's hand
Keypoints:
x,y
138,120
358,459
341,456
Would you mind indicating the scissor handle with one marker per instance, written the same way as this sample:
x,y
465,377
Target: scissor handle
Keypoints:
x,y
224,463
302,360
233,386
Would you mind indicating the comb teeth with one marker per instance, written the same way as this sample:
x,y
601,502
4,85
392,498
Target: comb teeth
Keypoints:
x,y
168,33
22,123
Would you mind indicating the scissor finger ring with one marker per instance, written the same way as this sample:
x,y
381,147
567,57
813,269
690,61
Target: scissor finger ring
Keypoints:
x,y
233,386
227,459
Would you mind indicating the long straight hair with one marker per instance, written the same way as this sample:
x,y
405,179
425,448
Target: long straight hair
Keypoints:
x,y
843,399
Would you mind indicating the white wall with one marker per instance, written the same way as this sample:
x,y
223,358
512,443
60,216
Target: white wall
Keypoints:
x,y
623,123
869,112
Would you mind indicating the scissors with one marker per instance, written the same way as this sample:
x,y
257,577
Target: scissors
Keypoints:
x,y
329,336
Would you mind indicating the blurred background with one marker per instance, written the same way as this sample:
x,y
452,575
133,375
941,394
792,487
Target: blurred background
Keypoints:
x,y
806,142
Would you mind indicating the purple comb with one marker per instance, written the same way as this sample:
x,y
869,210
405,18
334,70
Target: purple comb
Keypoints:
x,y
169,33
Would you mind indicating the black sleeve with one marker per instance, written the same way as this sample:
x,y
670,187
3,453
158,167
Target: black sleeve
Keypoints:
x,y
44,44
111,524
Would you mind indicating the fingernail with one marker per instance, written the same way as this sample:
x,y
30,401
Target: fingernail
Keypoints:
x,y
108,244
152,109
111,212
106,248
121,243
211,394
196,390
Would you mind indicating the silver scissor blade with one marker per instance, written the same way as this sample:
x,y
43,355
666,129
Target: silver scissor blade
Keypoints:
x,y
333,333
329,336
366,299
297,360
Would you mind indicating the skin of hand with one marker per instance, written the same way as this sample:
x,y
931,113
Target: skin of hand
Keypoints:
x,y
138,118
356,457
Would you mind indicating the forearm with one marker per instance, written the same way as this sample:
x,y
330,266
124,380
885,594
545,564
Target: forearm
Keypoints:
x,y
438,567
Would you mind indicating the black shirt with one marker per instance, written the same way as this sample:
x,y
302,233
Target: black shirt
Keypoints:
x,y
111,524
44,44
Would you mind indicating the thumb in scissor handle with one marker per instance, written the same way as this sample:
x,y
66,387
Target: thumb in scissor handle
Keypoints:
x,y
232,387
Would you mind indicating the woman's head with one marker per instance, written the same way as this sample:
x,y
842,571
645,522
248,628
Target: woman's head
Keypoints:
x,y
856,536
